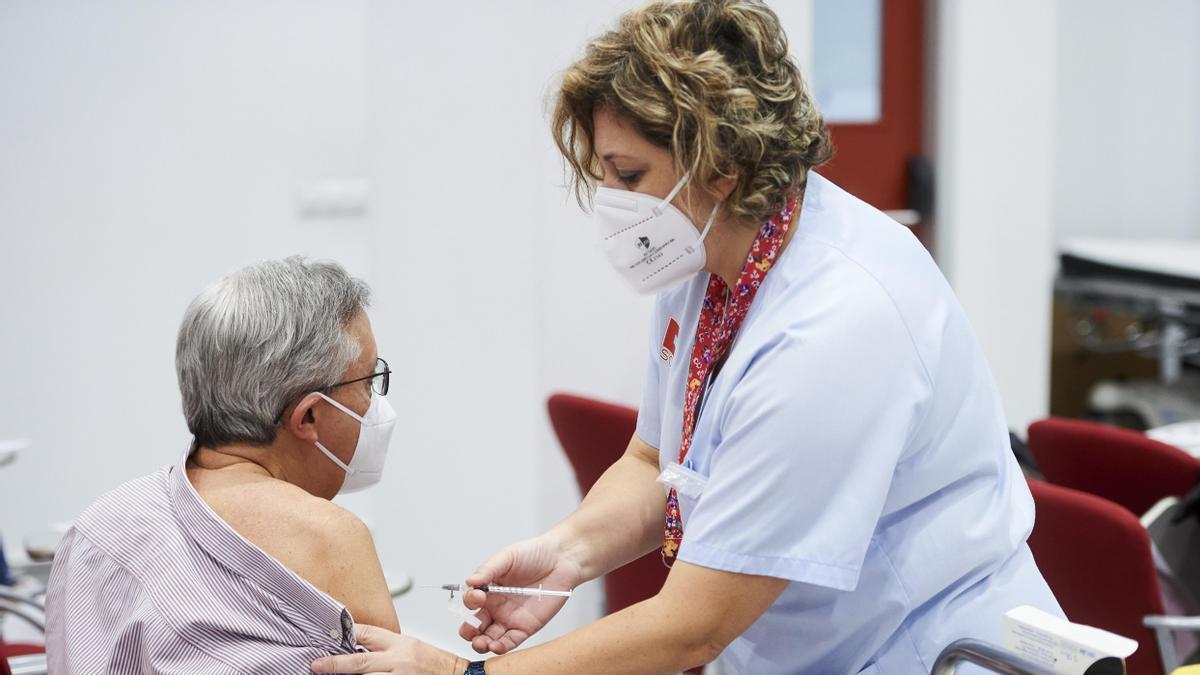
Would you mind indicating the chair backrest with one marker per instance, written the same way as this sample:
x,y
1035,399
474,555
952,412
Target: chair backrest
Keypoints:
x,y
1120,465
595,434
1096,557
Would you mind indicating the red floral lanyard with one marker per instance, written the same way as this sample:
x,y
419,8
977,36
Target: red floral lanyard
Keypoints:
x,y
721,315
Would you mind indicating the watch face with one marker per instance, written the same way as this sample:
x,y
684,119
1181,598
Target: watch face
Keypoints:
x,y
475,668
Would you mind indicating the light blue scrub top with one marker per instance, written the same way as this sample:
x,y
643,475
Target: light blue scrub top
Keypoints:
x,y
855,445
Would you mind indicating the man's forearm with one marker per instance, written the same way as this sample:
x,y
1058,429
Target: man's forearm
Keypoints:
x,y
620,519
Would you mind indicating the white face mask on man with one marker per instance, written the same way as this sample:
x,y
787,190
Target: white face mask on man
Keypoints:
x,y
366,466
650,243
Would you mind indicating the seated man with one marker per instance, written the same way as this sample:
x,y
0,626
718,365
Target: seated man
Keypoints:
x,y
234,559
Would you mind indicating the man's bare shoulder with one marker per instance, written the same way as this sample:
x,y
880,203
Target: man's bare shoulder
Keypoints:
x,y
293,526
328,546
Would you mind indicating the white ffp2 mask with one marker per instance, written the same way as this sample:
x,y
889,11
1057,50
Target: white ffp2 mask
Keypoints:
x,y
366,466
647,240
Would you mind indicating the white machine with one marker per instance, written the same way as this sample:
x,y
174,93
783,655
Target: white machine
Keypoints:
x,y
1157,281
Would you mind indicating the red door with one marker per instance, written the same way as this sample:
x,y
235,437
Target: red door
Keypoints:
x,y
880,161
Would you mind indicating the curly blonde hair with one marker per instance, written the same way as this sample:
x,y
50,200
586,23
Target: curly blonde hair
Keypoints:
x,y
710,80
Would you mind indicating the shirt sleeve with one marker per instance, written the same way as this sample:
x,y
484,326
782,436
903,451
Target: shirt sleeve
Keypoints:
x,y
810,437
649,421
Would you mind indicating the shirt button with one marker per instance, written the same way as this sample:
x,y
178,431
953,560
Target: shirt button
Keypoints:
x,y
335,634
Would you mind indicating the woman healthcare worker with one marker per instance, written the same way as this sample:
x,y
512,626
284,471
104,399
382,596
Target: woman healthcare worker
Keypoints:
x,y
821,453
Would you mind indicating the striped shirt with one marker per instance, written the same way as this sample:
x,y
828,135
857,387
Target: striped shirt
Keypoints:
x,y
150,579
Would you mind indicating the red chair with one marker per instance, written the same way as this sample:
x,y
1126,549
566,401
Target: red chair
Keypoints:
x,y
594,435
1120,465
11,650
1096,558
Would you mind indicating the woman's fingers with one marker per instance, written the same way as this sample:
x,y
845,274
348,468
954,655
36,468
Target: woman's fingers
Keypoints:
x,y
497,639
469,632
496,633
483,636
495,568
362,662
507,642
475,598
480,578
373,638
510,640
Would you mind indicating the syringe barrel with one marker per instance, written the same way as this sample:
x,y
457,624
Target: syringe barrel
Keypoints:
x,y
513,590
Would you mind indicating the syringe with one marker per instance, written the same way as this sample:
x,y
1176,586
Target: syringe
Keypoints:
x,y
506,590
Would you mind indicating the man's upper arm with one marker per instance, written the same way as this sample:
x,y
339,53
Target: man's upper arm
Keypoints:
x,y
348,567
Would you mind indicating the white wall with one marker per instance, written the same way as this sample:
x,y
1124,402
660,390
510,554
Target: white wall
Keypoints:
x,y
1127,118
488,282
1054,119
457,295
145,150
995,195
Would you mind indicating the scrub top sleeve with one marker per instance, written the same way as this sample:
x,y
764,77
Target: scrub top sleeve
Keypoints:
x,y
649,420
810,436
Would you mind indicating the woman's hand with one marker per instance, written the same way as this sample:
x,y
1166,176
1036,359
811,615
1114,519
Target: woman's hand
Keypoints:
x,y
391,653
508,620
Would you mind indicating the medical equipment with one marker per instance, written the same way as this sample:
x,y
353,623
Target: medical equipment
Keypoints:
x,y
1158,281
987,656
538,592
469,617
1184,435
1117,300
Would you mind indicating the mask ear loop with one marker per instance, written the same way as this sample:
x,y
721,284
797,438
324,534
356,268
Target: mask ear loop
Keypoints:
x,y
343,408
345,467
712,217
332,457
657,210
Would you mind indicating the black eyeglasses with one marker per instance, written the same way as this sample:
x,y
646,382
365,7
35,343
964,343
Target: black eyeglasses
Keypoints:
x,y
379,386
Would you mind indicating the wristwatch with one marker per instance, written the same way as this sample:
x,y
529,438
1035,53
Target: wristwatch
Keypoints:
x,y
475,668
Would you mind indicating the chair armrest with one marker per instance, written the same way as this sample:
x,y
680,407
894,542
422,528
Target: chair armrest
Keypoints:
x,y
16,598
1163,627
32,618
1172,622
25,607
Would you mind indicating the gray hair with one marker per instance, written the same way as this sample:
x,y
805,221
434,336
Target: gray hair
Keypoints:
x,y
260,338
